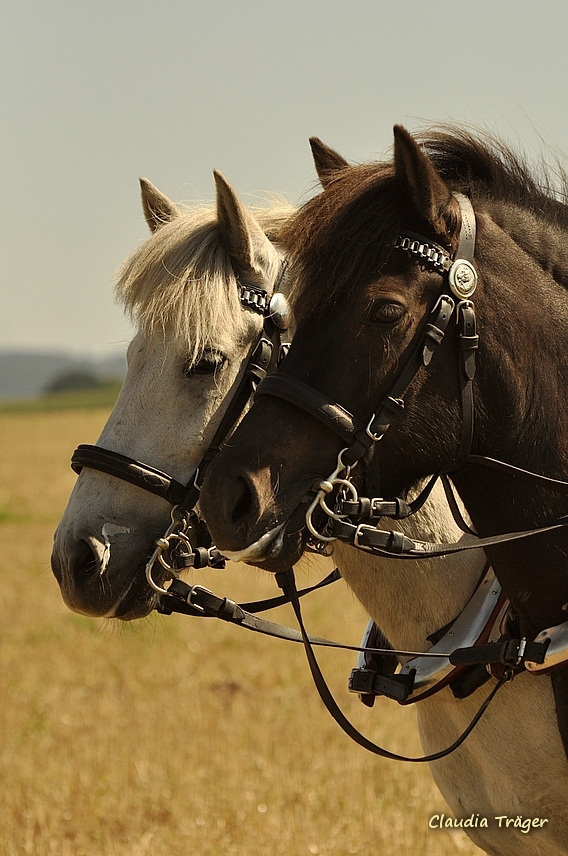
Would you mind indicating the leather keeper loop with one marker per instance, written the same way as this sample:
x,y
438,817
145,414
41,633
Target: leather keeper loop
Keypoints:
x,y
393,405
434,333
358,449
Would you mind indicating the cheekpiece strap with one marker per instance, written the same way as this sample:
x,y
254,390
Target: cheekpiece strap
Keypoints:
x,y
466,246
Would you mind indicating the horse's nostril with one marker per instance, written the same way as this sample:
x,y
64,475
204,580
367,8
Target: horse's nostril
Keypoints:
x,y
56,567
84,561
244,501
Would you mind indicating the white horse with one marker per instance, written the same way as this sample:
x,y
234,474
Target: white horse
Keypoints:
x,y
187,356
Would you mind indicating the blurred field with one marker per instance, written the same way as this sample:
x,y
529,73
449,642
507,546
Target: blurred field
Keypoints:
x,y
102,396
176,736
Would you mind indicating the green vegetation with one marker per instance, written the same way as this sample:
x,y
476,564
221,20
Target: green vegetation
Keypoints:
x,y
73,381
103,395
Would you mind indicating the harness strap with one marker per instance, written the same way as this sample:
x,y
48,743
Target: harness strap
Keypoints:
x,y
287,583
454,507
312,401
381,542
468,343
501,466
466,246
199,602
142,475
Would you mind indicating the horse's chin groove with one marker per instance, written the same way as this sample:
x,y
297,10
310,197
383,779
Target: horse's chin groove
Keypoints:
x,y
137,600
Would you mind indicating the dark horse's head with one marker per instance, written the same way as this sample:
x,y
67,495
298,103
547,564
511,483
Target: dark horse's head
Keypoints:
x,y
362,305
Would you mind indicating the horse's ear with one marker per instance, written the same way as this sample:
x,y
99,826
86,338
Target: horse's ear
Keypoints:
x,y
251,252
429,192
327,161
158,209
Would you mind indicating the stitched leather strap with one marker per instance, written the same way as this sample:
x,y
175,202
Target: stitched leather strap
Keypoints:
x,y
142,475
384,543
466,246
312,401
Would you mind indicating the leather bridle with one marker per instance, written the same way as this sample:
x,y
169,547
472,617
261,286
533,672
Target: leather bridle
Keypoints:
x,y
177,548
459,283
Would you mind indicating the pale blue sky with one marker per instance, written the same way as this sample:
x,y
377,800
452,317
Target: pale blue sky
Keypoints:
x,y
94,94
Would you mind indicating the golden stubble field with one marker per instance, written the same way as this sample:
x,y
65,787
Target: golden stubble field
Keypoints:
x,y
176,736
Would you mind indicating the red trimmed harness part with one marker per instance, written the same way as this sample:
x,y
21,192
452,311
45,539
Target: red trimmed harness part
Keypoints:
x,y
485,619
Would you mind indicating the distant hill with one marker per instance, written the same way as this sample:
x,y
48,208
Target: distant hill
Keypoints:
x,y
25,374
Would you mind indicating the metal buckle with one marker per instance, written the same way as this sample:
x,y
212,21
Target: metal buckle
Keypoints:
x,y
356,536
521,651
374,437
190,594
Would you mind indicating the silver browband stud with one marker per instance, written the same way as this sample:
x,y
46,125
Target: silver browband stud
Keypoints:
x,y
462,279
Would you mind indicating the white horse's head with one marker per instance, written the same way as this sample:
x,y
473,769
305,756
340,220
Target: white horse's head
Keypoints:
x,y
182,288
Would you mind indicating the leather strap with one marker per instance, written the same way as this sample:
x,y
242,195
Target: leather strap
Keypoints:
x,y
142,475
287,583
312,401
501,466
199,602
384,543
466,246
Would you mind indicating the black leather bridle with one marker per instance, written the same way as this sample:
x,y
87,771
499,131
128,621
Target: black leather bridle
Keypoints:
x,y
459,280
459,283
179,541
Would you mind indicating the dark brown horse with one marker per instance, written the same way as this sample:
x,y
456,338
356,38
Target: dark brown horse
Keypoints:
x,y
362,304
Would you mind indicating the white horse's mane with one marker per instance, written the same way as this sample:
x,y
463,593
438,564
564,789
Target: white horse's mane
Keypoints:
x,y
180,283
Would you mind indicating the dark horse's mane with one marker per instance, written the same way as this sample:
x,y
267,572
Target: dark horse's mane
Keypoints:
x,y
345,234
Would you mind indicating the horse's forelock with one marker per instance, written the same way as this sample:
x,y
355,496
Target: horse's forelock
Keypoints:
x,y
343,236
180,284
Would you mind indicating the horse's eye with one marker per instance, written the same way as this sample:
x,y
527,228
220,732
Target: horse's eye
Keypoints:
x,y
386,313
209,364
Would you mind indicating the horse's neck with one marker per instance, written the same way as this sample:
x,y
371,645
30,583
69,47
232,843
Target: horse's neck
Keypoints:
x,y
410,600
521,417
542,239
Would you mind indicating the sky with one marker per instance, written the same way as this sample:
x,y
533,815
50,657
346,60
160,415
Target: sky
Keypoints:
x,y
94,94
